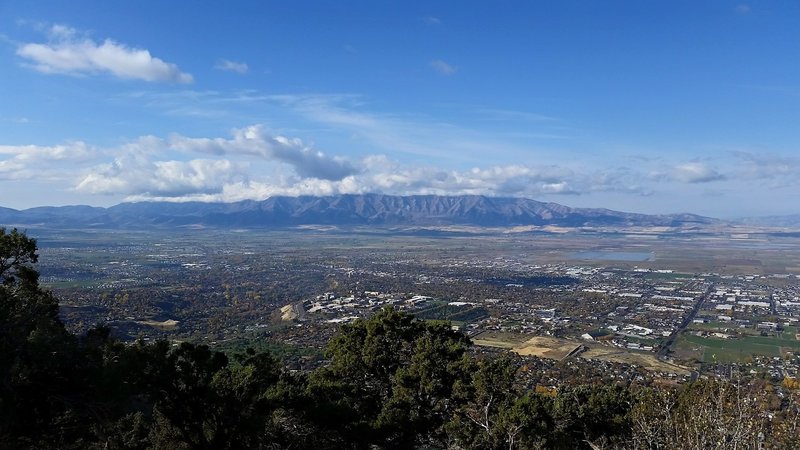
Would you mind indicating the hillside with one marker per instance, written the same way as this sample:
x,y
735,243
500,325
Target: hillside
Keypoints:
x,y
344,210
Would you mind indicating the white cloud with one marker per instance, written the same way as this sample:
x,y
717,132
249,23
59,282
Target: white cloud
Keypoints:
x,y
393,179
77,150
695,172
36,161
131,175
254,164
443,67
254,141
11,169
67,53
138,173
232,66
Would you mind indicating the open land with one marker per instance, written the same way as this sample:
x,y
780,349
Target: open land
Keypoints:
x,y
559,349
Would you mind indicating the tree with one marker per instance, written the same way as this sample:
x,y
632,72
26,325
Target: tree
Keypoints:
x,y
17,257
587,416
390,381
24,306
494,413
37,357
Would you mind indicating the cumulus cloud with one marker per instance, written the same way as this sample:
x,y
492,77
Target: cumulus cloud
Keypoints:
x,y
68,53
248,165
10,169
254,164
77,150
695,172
138,173
175,166
443,67
254,141
232,66
390,178
132,175
28,161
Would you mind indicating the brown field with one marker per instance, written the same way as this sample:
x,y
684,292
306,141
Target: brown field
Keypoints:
x,y
557,348
165,325
499,339
648,361
546,347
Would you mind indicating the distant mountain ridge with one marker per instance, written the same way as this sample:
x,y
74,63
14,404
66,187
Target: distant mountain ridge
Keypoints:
x,y
343,210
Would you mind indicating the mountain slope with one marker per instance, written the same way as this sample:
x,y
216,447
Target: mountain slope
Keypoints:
x,y
343,210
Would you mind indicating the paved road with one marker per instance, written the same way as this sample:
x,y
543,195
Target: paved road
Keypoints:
x,y
689,318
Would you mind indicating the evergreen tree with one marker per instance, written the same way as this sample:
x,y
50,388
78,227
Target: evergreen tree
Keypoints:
x,y
390,381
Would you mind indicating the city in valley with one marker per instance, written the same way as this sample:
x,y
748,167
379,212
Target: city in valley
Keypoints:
x,y
640,306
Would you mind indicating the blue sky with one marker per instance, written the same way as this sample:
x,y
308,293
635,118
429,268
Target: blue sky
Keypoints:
x,y
656,107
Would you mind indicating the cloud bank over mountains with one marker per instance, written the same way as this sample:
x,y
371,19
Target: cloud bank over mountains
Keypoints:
x,y
253,163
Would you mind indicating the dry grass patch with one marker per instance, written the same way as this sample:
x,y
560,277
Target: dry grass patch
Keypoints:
x,y
546,347
648,361
499,339
165,325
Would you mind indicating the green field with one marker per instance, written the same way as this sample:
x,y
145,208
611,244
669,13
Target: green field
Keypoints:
x,y
461,314
735,350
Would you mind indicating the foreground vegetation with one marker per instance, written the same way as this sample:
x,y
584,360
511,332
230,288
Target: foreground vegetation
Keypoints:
x,y
391,381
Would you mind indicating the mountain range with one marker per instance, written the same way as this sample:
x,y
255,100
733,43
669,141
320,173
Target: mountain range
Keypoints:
x,y
342,210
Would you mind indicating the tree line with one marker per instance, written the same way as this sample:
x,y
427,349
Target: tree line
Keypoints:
x,y
390,381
